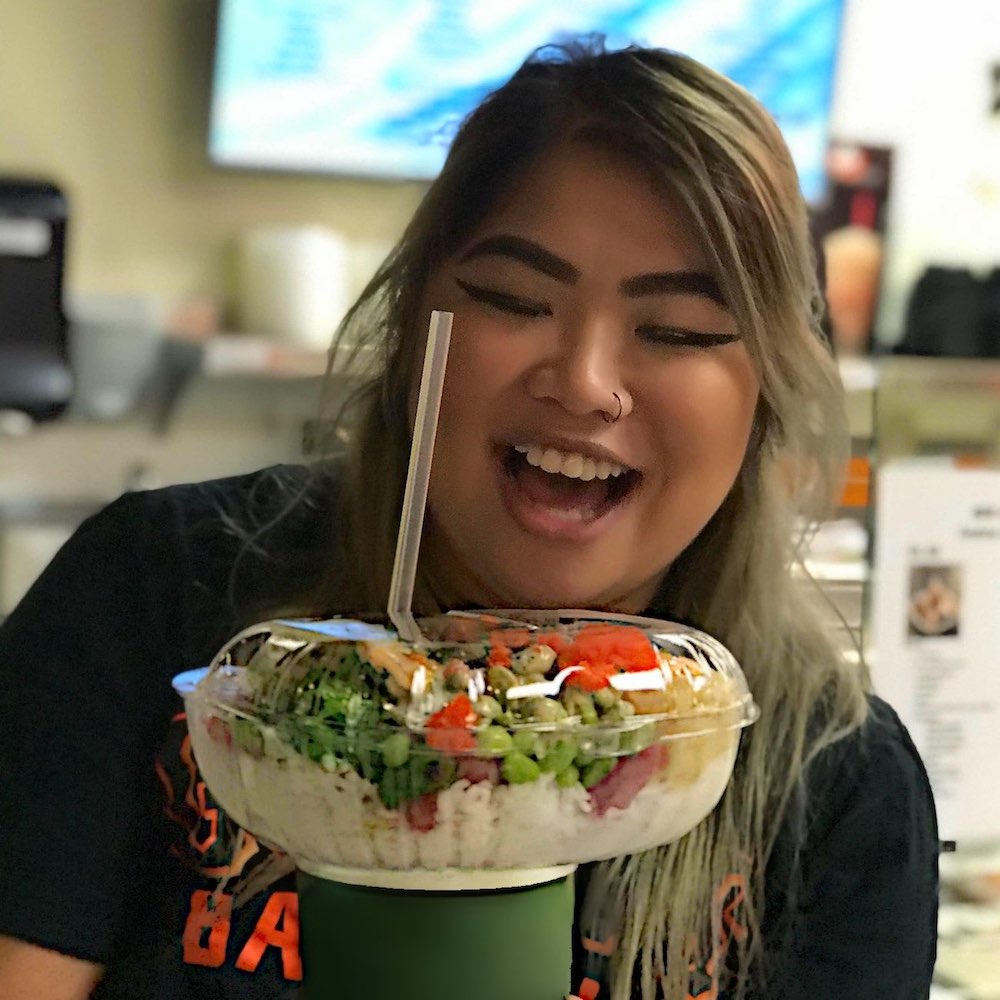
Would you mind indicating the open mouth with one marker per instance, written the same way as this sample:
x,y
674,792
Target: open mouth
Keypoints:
x,y
568,486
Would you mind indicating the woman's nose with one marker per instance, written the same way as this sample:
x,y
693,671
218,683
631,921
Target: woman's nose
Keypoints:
x,y
584,373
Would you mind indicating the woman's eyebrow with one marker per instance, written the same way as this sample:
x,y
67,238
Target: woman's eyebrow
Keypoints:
x,y
527,252
535,256
673,283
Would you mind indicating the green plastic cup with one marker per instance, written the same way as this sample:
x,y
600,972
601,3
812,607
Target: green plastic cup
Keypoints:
x,y
498,944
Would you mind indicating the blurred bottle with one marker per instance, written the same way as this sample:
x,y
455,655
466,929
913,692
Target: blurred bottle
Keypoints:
x,y
853,271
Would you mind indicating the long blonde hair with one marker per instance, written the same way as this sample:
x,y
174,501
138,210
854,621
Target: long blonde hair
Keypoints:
x,y
708,140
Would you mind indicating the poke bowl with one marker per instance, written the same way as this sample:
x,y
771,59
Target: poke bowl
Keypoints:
x,y
504,742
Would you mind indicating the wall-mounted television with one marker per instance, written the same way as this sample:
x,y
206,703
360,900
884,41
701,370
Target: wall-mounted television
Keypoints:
x,y
375,88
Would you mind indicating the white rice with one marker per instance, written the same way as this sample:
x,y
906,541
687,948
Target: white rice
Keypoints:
x,y
337,818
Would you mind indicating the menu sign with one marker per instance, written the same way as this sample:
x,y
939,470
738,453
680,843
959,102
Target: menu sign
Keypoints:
x,y
936,630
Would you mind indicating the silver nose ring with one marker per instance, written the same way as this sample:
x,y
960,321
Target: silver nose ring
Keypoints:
x,y
617,417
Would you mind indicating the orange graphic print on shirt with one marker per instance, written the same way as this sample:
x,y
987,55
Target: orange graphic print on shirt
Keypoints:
x,y
233,868
727,931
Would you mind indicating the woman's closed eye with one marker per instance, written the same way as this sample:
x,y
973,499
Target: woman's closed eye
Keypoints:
x,y
504,301
679,336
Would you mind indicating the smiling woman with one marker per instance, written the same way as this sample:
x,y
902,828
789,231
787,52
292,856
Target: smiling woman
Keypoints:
x,y
636,359
635,364
582,296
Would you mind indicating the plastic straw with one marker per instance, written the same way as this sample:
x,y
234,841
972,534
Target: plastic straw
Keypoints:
x,y
404,568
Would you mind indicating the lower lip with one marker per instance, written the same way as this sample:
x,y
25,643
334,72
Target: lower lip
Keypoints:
x,y
549,522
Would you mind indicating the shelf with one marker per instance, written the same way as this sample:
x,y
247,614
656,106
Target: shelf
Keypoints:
x,y
228,355
858,374
235,354
832,571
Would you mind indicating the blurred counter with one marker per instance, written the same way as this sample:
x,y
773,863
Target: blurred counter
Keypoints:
x,y
217,423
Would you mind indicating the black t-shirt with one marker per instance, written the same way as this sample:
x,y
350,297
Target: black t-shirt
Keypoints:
x,y
112,849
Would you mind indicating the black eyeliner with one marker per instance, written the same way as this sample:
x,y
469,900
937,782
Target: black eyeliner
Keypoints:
x,y
503,301
673,337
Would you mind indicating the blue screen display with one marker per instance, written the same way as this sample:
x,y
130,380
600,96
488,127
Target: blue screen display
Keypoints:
x,y
376,88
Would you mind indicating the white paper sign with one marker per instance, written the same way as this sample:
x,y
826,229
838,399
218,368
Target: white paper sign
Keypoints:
x,y
936,630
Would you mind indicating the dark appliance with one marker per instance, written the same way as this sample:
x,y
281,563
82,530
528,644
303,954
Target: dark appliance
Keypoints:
x,y
35,374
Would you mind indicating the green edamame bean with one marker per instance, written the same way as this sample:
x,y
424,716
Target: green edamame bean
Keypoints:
x,y
519,769
606,743
367,763
568,777
580,703
559,757
488,707
604,698
494,741
442,772
390,788
500,678
597,771
620,711
547,710
416,779
395,749
526,741
535,660
634,740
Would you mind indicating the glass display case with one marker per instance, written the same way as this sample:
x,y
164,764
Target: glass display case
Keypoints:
x,y
930,617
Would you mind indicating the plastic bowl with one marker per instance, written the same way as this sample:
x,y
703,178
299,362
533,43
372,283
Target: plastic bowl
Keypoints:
x,y
507,742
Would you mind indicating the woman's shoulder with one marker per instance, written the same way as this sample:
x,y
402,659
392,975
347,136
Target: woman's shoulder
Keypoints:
x,y
246,543
852,880
878,761
864,797
245,502
212,519
193,559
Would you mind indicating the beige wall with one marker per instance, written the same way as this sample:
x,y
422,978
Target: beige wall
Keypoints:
x,y
109,99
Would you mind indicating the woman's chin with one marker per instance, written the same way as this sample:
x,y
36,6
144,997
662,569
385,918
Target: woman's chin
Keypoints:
x,y
562,593
552,581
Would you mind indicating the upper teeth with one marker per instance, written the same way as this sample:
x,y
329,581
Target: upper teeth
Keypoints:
x,y
571,463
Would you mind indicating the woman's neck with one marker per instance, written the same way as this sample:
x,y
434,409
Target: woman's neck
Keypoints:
x,y
445,583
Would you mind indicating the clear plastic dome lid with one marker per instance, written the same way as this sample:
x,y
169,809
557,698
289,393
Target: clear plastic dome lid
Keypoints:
x,y
507,740
479,673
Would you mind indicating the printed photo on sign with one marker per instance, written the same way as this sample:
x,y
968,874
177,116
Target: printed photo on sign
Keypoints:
x,y
935,601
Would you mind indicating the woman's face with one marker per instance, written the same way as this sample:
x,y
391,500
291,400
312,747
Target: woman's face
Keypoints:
x,y
598,399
